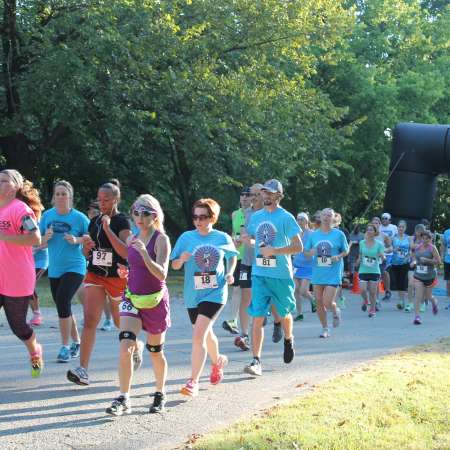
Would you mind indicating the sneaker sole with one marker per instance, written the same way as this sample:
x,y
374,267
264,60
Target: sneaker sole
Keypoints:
x,y
251,372
118,414
63,360
74,379
187,393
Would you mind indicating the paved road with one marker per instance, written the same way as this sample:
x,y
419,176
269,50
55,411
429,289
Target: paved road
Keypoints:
x,y
50,413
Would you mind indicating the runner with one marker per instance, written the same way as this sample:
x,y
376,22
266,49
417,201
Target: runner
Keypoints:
x,y
328,246
355,238
106,248
400,265
202,252
303,270
20,205
371,252
146,302
390,230
426,258
337,225
414,241
276,235
245,280
237,222
40,255
63,228
445,252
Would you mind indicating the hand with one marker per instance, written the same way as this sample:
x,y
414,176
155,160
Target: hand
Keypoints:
x,y
184,257
85,239
122,271
335,258
88,243
48,234
229,278
138,245
245,238
70,238
106,220
267,251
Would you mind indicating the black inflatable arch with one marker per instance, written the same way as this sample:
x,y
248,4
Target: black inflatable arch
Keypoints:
x,y
419,153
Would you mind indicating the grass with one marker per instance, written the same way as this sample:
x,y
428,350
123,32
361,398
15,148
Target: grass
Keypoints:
x,y
398,402
174,282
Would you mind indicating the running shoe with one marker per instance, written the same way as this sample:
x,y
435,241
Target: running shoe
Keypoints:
x,y
254,368
138,355
400,305
417,320
230,326
37,362
78,376
277,332
64,355
289,352
190,389
313,306
377,305
408,307
325,333
364,306
107,325
119,406
75,349
216,375
242,343
159,401
298,318
387,296
423,308
341,302
434,306
337,318
372,312
36,320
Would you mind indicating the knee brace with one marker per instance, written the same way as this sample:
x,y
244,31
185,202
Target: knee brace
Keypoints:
x,y
127,335
154,348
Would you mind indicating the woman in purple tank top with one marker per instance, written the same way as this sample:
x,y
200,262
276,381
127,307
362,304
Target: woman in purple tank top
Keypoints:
x,y
145,303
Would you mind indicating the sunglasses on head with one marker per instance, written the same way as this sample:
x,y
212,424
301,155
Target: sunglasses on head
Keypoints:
x,y
142,212
200,217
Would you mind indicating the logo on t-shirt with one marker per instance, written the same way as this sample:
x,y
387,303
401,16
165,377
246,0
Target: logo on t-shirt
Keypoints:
x,y
266,233
5,225
324,248
207,257
60,227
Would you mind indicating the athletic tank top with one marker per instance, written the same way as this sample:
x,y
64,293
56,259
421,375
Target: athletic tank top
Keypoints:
x,y
140,280
401,253
424,271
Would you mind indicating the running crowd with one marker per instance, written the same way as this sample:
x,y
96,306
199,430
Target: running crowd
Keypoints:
x,y
272,261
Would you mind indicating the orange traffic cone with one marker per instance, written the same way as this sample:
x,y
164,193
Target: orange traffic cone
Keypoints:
x,y
355,288
381,288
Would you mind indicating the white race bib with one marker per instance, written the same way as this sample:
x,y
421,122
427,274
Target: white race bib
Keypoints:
x,y
127,307
205,280
422,270
102,258
243,276
266,261
324,261
369,261
402,253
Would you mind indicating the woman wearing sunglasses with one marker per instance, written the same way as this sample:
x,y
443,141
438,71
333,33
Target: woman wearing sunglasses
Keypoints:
x,y
206,279
425,259
145,303
105,248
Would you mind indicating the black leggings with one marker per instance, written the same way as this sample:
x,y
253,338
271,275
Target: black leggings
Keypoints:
x,y
63,289
16,314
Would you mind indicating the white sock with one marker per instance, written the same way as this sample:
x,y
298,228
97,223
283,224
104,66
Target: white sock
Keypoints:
x,y
125,395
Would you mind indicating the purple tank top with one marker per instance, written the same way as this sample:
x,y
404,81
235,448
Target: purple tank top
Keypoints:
x,y
140,280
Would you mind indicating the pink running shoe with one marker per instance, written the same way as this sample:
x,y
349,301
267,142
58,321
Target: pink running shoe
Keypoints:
x,y
242,343
37,362
217,370
372,312
36,321
417,321
190,389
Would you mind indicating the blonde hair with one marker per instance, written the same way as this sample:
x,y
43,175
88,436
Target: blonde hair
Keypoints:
x,y
152,203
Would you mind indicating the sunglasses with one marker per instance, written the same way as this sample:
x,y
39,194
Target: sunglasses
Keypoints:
x,y
142,212
200,217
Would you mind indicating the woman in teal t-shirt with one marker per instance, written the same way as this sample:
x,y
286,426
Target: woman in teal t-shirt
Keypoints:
x,y
371,253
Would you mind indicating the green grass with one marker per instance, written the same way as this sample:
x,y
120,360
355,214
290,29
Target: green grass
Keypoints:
x,y
398,402
174,281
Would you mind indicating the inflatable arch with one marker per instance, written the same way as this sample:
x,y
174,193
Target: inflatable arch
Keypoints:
x,y
419,153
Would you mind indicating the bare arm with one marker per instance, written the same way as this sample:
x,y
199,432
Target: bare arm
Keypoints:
x,y
160,267
177,264
295,246
118,242
32,238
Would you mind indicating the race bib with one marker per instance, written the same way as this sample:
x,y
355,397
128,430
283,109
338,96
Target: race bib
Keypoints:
x,y
324,261
102,258
369,262
266,261
243,276
127,308
422,269
205,280
402,253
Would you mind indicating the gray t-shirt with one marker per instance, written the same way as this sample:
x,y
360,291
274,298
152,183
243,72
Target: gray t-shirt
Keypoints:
x,y
249,250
